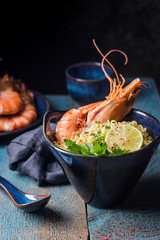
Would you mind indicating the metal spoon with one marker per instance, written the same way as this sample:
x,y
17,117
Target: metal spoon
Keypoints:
x,y
24,201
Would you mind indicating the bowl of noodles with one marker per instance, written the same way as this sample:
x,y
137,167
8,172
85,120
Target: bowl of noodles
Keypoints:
x,y
105,162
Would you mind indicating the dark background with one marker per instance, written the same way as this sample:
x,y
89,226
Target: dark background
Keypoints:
x,y
38,42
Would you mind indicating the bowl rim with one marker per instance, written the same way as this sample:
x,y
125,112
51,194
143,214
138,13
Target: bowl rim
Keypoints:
x,y
112,156
94,63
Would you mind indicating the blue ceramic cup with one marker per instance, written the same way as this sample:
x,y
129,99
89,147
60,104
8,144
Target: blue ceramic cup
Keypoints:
x,y
86,82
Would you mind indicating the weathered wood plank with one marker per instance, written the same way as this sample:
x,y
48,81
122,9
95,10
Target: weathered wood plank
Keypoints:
x,y
139,216
64,217
61,102
148,99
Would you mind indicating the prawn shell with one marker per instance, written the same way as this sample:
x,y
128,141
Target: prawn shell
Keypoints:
x,y
10,103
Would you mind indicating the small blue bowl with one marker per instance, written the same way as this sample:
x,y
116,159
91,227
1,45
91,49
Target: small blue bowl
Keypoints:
x,y
86,82
105,181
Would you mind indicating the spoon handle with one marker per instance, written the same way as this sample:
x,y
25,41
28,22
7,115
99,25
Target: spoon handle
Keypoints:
x,y
14,193
8,187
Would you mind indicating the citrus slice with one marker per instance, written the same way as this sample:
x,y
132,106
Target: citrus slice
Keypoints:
x,y
126,136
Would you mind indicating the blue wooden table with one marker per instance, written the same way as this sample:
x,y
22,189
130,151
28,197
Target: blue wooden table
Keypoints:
x,y
67,217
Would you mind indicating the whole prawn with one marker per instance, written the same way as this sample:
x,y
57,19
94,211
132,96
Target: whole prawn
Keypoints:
x,y
118,103
23,118
10,99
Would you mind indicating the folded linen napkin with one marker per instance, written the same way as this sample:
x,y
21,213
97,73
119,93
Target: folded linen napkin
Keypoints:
x,y
29,154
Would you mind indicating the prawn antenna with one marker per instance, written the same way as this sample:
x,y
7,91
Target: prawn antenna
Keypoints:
x,y
113,85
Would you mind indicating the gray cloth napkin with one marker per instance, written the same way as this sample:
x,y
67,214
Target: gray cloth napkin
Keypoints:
x,y
29,154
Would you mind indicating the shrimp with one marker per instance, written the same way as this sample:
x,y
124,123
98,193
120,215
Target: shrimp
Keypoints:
x,y
10,99
117,104
72,121
23,118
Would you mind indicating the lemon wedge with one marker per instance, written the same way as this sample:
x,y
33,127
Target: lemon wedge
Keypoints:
x,y
126,136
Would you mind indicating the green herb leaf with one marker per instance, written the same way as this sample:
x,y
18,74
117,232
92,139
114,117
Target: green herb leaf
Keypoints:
x,y
151,138
107,127
102,138
72,146
92,134
99,132
95,148
96,137
116,151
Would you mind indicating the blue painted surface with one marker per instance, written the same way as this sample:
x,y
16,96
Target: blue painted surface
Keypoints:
x,y
61,102
139,216
61,218
63,212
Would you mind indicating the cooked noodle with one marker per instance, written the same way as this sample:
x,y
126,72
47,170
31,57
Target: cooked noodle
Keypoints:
x,y
101,129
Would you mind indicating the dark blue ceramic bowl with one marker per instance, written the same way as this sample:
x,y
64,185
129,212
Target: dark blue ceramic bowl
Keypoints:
x,y
105,181
86,82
